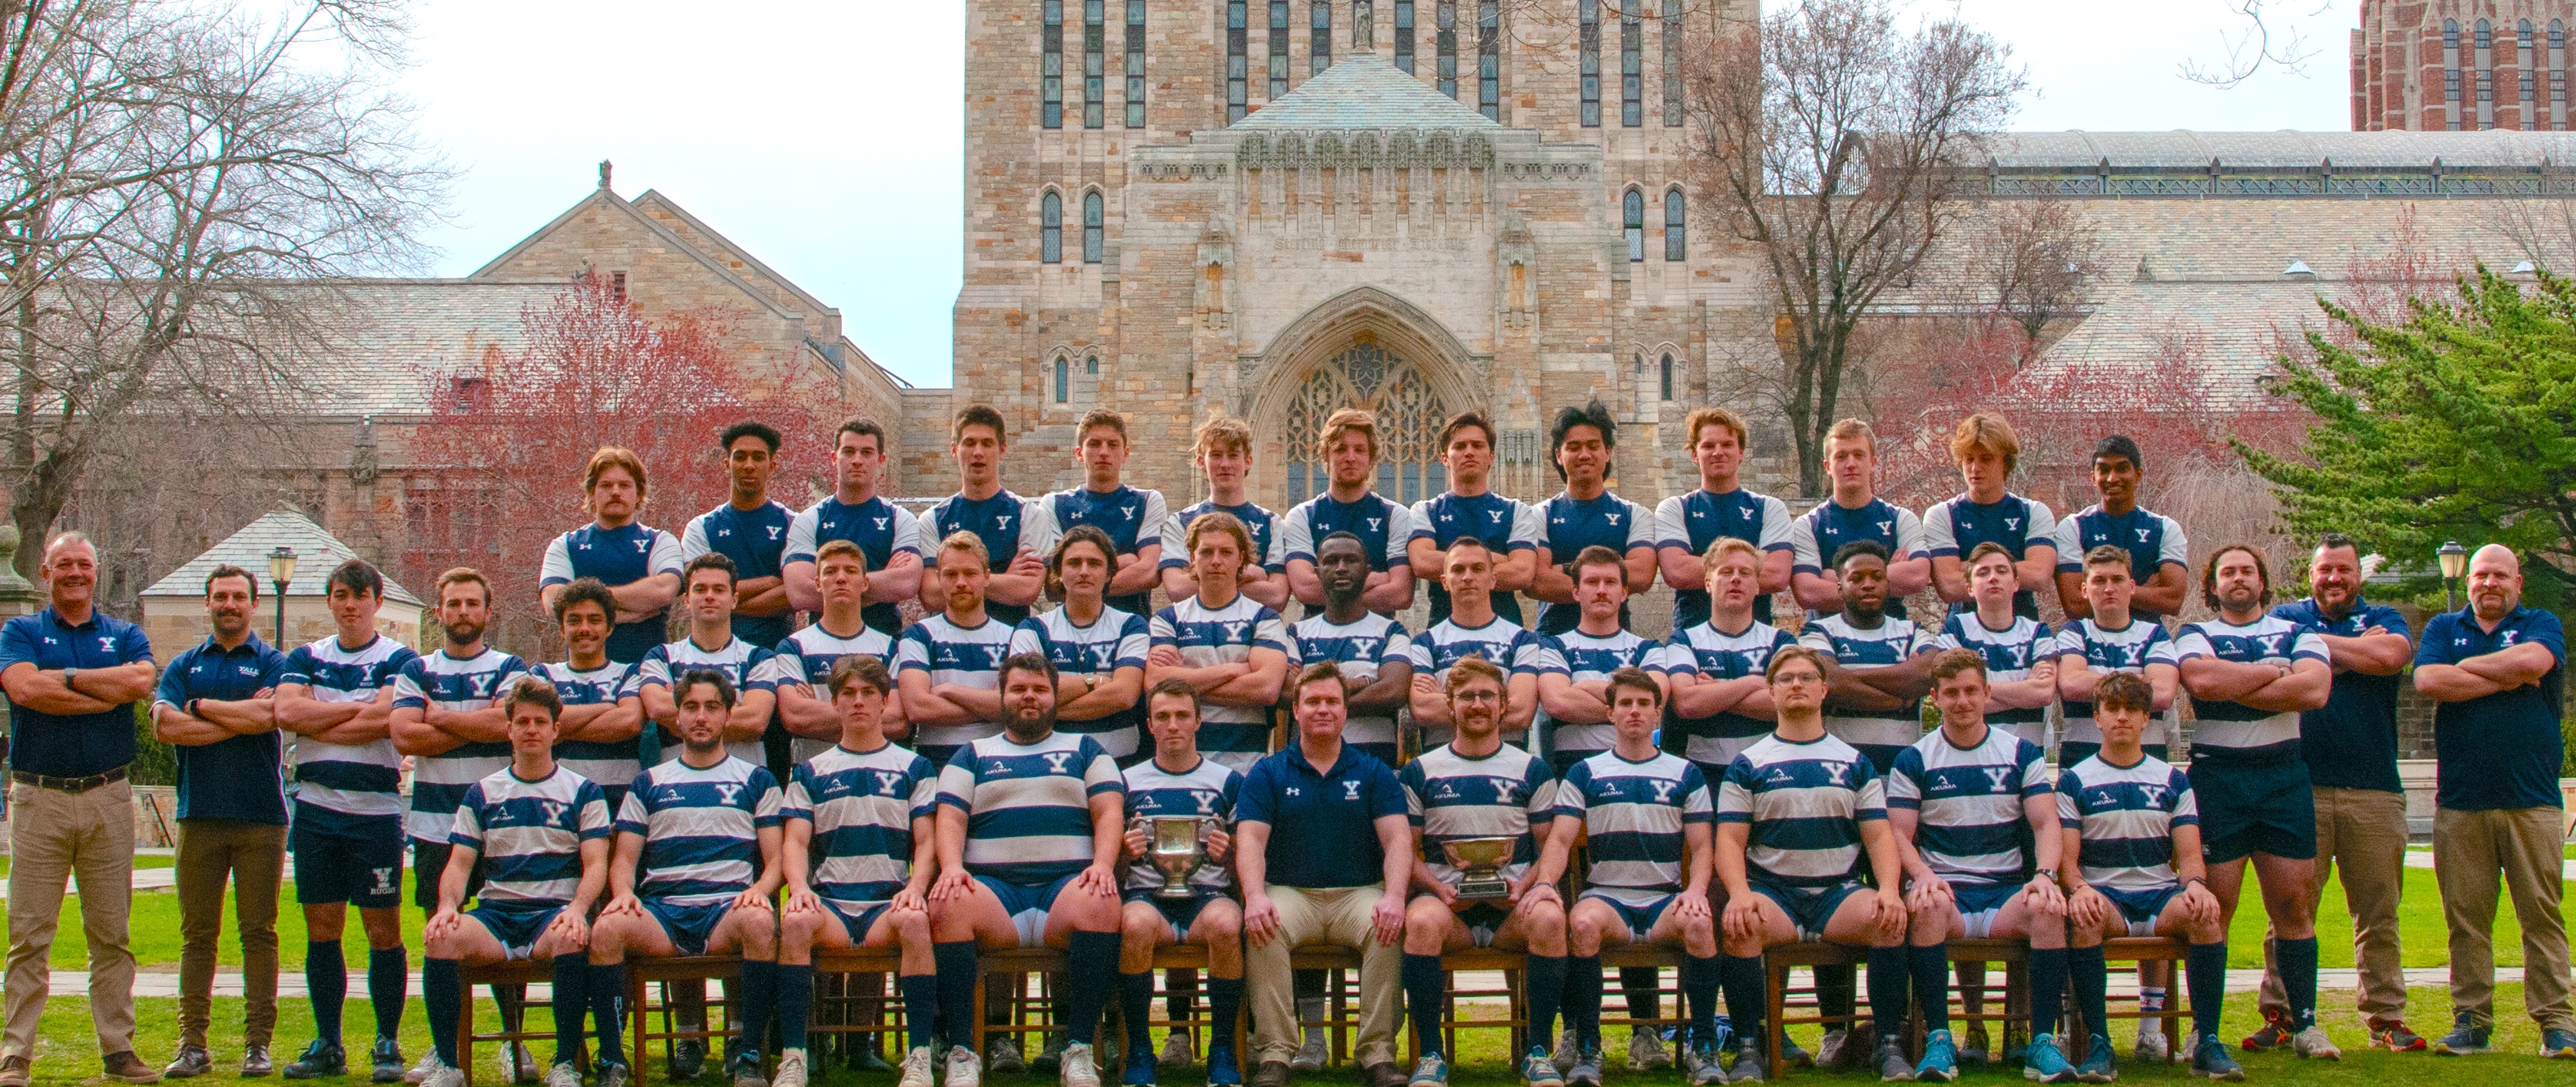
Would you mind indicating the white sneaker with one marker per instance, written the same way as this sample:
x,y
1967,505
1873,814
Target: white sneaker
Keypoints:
x,y
1177,1051
1077,1067
2313,1042
564,1074
420,1071
1564,1056
1311,1055
916,1068
791,1069
964,1070
443,1076
1646,1050
2152,1045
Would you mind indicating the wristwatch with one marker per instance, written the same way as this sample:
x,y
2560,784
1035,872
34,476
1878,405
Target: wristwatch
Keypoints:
x,y
70,675
2049,873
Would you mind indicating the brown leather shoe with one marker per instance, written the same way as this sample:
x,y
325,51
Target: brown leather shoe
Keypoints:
x,y
15,1071
1383,1074
124,1067
1270,1074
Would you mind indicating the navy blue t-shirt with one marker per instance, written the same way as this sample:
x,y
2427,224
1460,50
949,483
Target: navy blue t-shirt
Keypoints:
x,y
2351,742
2500,752
999,521
80,744
1323,826
243,777
756,541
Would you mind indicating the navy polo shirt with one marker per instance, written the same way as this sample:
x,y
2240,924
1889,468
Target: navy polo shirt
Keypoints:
x,y
1334,816
243,777
81,744
2502,751
2351,742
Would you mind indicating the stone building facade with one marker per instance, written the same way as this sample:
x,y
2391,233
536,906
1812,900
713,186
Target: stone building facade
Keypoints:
x,y
2437,65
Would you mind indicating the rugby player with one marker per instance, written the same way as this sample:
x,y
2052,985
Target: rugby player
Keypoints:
x,y
1178,780
1586,514
1470,509
1223,449
1350,503
854,511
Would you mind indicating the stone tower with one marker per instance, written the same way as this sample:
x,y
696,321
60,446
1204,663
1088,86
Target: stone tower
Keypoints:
x,y
2435,65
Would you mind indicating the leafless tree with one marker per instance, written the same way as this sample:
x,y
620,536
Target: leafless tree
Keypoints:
x,y
2263,40
2029,261
1823,136
177,178
2544,231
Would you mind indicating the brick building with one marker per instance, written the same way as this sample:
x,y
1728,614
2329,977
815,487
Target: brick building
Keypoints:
x,y
2437,65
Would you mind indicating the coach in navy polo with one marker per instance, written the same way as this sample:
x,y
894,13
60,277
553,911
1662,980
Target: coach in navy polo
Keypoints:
x,y
73,676
2499,671
1350,823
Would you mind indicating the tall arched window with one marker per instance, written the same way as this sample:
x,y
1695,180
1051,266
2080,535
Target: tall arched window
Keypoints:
x,y
1632,66
1238,60
1278,48
2451,73
1135,70
2557,73
1319,36
1489,59
1672,63
1676,227
1063,379
1051,64
1668,377
1444,43
1091,228
2527,56
1588,15
1051,228
1404,36
1632,219
2486,74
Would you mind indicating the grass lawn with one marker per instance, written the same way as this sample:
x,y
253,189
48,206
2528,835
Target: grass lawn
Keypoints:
x,y
154,929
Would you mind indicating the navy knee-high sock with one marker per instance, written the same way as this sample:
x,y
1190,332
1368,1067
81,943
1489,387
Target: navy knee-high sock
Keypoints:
x,y
1583,999
1136,1002
1642,985
1546,986
442,997
1932,984
795,1003
572,1001
1746,986
326,977
1699,991
1891,981
607,991
920,1009
2299,979
1225,1005
2206,973
2091,976
956,964
1091,960
758,1003
388,983
1423,988
2047,989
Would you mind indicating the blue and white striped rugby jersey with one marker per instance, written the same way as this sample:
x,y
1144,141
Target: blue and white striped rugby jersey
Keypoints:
x,y
1361,649
1502,795
1805,803
1711,653
1208,789
948,653
529,834
1973,828
880,528
1584,658
1269,548
862,805
805,659
1114,640
1133,517
2233,731
612,764
1694,521
747,665
1234,735
1892,641
701,829
2129,649
2009,655
347,785
2126,816
438,782
1633,814
1028,806
1503,644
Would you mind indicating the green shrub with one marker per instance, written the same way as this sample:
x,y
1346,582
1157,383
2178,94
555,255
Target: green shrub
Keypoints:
x,y
155,763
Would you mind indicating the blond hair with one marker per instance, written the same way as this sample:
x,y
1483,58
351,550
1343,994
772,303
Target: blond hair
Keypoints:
x,y
1343,422
1715,416
1988,431
1224,433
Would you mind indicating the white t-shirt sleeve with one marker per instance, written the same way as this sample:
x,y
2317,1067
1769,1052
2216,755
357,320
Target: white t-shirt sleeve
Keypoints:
x,y
693,539
1417,519
1938,539
1529,526
1909,534
1038,530
665,557
1641,524
2176,550
1290,538
1399,532
1672,526
801,530
2070,547
1805,556
1775,525
1157,523
556,568
907,534
2043,522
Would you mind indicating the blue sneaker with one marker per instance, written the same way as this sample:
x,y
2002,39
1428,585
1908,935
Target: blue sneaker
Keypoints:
x,y
1223,1070
2558,1044
1940,1062
2211,1060
2042,1063
2097,1066
1140,1067
2466,1037
1538,1068
1430,1071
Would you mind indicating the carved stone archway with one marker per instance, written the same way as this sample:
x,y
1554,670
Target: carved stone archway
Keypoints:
x,y
1365,348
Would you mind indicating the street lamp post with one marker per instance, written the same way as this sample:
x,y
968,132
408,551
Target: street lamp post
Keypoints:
x,y
2455,559
281,571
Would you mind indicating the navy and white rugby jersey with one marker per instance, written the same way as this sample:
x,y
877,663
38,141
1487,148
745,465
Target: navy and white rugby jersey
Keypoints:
x,y
1383,526
1817,534
613,763
1892,641
1708,652
2129,649
1361,649
747,665
1208,789
756,540
439,681
2126,816
1805,803
2009,655
1584,658
1269,548
1114,640
1633,816
1954,527
805,659
701,829
617,557
880,528
529,834
862,805
1694,521
1506,525
1028,806
1973,828
1502,795
1234,735
1568,525
346,787
966,656
1500,641
1001,521
2233,731
2151,539
1132,517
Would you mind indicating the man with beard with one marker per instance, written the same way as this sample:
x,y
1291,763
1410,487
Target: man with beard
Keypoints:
x,y
598,734
710,643
1854,514
2251,674
2351,748
1371,649
639,564
1098,651
1030,826
1687,525
854,511
1586,515
2159,556
1350,503
803,663
1223,449
1134,519
751,529
697,857
998,519
1473,629
1471,510
949,664
1228,647
1179,781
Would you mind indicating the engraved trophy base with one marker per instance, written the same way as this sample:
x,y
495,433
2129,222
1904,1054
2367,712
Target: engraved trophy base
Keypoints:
x,y
1478,890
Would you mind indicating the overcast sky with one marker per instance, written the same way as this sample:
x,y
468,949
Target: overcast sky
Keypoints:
x,y
825,137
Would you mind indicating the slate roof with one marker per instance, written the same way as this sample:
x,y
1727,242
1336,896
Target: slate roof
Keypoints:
x,y
1363,91
316,553
2285,148
398,333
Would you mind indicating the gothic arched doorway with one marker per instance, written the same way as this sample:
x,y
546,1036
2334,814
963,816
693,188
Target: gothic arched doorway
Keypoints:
x,y
1409,415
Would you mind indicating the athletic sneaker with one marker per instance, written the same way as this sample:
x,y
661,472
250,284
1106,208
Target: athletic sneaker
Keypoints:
x,y
1587,1068
2152,1043
791,1069
1646,1051
1076,1067
2392,1035
1750,1064
1830,1052
2211,1060
2097,1066
2466,1037
567,1074
1563,1058
1892,1065
1538,1069
1940,1062
2274,1035
2313,1042
320,1059
1177,1050
1976,1047
746,1070
1708,1061
1311,1053
2558,1044
688,1058
916,1068
1793,1055
615,1074
443,1076
1693,1060
386,1055
1223,1069
1430,1071
2042,1063
1050,1052
963,1069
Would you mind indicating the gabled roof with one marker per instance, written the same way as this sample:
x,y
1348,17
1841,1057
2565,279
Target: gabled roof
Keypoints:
x,y
604,197
1363,91
317,553
653,199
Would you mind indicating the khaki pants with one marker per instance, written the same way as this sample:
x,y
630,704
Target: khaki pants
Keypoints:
x,y
55,836
2361,835
2470,848
1338,916
252,858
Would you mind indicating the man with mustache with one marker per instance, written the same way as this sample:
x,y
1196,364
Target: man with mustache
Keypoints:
x,y
639,564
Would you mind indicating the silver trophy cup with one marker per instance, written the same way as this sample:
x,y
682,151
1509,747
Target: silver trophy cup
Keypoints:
x,y
1480,866
1174,844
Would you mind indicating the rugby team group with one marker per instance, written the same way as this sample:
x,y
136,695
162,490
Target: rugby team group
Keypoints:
x,y
800,771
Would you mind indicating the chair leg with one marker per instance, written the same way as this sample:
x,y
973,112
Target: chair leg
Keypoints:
x,y
1775,1004
635,991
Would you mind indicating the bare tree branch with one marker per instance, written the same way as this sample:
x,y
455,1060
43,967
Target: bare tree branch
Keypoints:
x,y
2259,45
